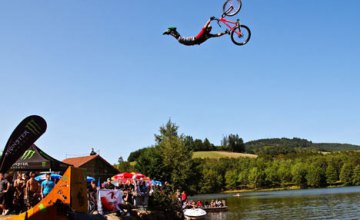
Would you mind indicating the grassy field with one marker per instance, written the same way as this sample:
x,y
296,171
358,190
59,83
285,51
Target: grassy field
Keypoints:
x,y
220,154
215,155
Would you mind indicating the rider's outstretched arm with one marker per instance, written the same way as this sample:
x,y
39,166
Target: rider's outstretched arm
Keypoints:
x,y
208,22
220,34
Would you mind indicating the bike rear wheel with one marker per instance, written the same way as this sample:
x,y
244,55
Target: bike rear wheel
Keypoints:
x,y
243,38
232,7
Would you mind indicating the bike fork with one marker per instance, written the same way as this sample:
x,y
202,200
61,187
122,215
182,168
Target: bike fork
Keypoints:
x,y
238,26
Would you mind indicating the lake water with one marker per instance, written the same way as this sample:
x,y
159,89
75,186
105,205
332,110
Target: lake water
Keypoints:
x,y
334,203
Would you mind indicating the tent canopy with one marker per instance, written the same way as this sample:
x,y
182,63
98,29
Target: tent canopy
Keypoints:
x,y
37,160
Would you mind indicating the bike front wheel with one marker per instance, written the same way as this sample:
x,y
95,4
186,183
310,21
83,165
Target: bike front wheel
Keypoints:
x,y
241,35
232,7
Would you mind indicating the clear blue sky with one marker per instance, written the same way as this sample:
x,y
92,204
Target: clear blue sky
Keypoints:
x,y
103,76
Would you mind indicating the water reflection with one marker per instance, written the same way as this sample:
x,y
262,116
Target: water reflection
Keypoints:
x,y
338,203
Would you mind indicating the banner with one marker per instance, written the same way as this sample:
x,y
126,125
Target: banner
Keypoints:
x,y
108,200
24,135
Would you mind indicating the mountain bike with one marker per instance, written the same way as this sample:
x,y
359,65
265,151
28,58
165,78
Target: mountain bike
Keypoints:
x,y
232,7
240,34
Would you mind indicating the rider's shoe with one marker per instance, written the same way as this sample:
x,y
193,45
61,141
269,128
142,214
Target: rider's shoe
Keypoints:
x,y
169,30
227,32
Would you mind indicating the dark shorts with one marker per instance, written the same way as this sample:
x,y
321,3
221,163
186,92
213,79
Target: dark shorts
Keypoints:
x,y
32,200
189,41
2,198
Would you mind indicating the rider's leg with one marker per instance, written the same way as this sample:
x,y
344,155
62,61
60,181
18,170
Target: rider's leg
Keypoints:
x,y
174,33
188,41
170,29
183,40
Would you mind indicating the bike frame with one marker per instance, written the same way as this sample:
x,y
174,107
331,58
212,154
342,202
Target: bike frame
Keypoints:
x,y
232,28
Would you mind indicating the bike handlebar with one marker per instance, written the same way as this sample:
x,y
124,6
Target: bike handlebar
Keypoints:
x,y
218,21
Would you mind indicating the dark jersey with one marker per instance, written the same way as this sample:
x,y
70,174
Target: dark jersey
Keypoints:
x,y
202,36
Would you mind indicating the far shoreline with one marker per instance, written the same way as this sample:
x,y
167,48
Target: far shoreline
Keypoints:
x,y
269,190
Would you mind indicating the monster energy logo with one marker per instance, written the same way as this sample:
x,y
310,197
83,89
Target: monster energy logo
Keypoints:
x,y
34,128
27,155
14,146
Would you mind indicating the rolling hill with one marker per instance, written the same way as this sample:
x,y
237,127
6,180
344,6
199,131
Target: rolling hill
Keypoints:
x,y
255,146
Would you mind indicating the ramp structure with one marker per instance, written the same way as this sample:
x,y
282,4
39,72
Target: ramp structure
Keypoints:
x,y
68,194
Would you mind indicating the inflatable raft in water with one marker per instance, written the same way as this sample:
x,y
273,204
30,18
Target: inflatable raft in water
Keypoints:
x,y
196,213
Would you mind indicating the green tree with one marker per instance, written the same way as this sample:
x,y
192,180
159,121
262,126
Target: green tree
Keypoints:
x,y
356,176
315,176
150,163
335,160
272,177
207,145
124,167
120,160
284,172
135,155
198,145
231,179
298,172
243,178
331,174
233,143
189,142
167,131
272,151
176,157
346,173
256,177
211,182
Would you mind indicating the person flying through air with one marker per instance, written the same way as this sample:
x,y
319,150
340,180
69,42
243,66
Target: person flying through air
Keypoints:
x,y
200,38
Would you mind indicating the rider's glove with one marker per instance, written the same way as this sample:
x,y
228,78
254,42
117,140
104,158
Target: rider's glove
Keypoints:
x,y
212,18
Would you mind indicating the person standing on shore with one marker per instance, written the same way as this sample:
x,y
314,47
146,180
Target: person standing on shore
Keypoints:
x,y
19,185
183,196
46,186
3,187
108,184
9,195
32,191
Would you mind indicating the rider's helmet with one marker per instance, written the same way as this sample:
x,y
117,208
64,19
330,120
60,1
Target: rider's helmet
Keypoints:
x,y
209,27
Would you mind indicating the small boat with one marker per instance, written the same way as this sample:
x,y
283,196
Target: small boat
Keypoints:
x,y
237,194
196,213
216,209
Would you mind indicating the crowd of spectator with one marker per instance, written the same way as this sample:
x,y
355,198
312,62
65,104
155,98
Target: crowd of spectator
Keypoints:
x,y
198,204
136,192
215,204
23,193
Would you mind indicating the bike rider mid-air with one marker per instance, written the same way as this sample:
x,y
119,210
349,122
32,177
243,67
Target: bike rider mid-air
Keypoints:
x,y
202,36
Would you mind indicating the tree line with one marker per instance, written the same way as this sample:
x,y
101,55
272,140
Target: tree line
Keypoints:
x,y
317,170
230,143
270,147
302,165
291,145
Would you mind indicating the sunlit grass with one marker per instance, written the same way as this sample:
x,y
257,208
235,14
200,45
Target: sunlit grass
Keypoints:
x,y
220,154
